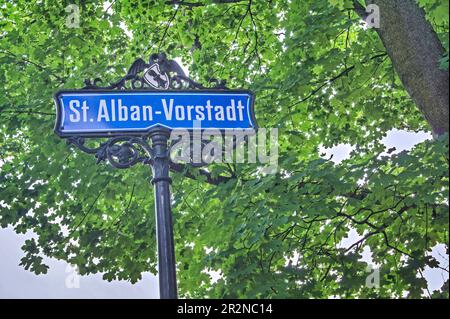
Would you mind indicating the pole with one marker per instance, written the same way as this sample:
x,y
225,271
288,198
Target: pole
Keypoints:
x,y
164,229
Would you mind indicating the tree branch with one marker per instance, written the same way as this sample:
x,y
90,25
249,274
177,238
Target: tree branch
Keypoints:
x,y
38,66
200,4
334,78
161,42
183,169
27,112
359,9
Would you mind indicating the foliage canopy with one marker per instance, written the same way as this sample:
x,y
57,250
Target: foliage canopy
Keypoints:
x,y
320,77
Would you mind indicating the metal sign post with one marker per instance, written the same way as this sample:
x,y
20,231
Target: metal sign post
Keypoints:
x,y
139,110
164,229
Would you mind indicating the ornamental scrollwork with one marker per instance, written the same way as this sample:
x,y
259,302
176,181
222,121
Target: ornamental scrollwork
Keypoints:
x,y
121,152
159,73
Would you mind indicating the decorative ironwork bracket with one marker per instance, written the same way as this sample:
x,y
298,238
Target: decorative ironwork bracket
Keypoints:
x,y
120,152
158,74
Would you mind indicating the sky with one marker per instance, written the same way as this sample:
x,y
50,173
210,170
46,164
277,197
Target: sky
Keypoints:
x,y
61,280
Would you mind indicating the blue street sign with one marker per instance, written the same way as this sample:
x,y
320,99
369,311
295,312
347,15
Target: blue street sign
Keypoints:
x,y
104,113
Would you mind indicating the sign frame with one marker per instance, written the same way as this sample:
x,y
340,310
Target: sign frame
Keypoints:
x,y
112,133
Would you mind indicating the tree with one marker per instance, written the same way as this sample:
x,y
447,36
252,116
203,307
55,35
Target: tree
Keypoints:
x,y
414,49
320,76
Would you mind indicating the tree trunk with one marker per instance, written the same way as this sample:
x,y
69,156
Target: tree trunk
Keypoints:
x,y
415,51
